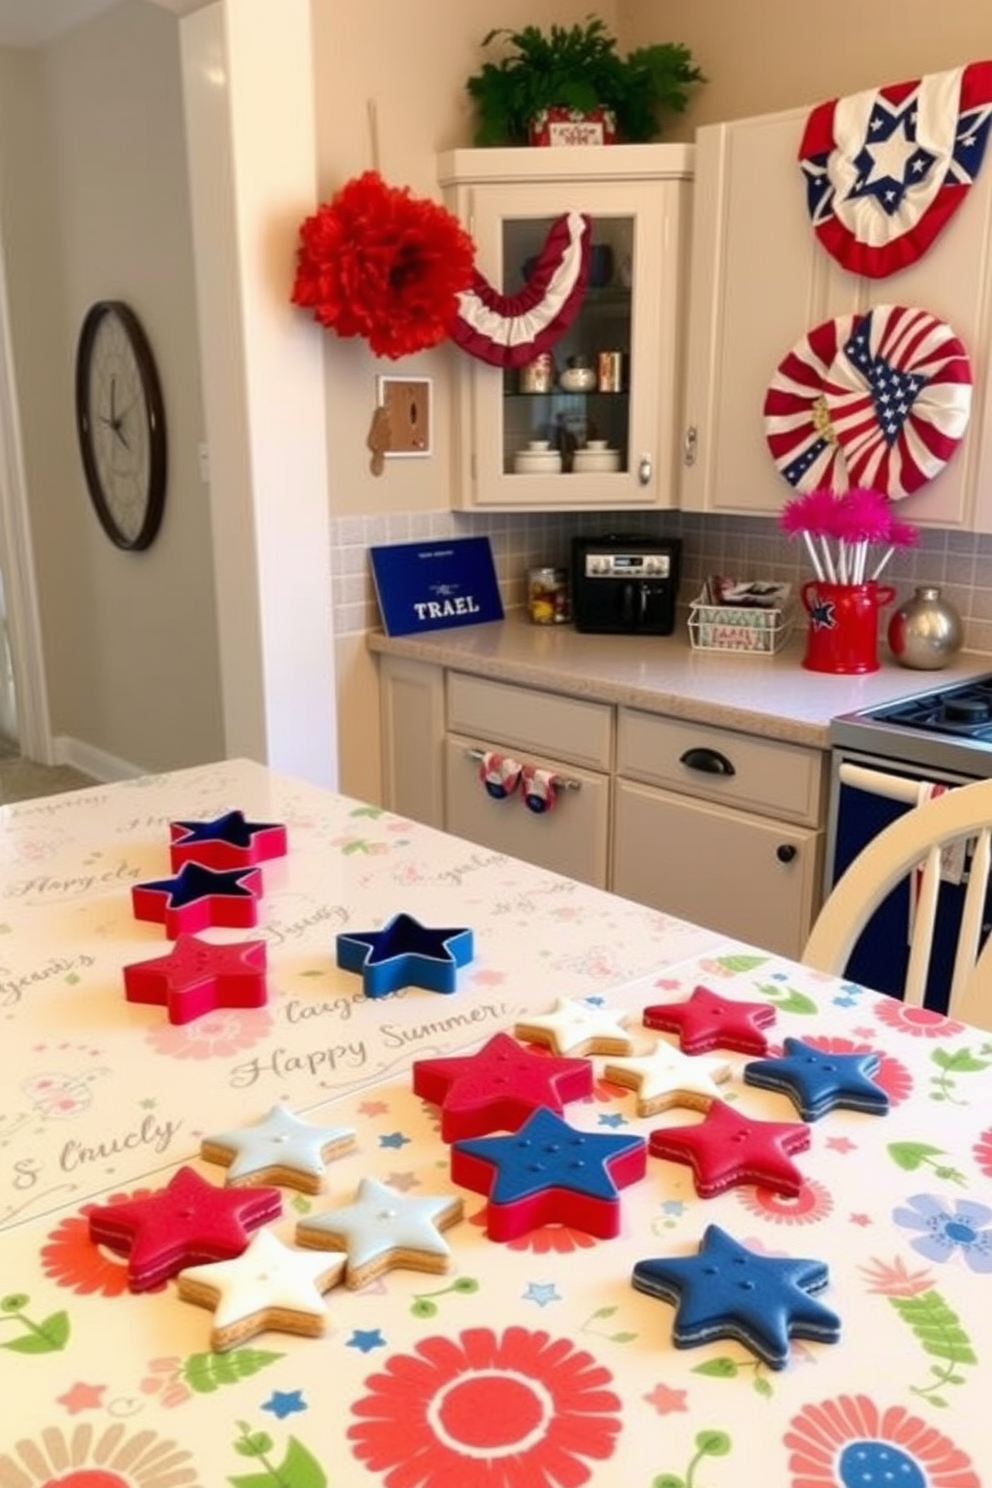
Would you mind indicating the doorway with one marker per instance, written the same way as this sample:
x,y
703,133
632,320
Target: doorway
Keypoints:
x,y
24,715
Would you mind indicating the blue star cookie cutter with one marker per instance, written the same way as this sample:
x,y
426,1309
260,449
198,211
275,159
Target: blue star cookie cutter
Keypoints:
x,y
728,1291
405,953
817,1080
548,1172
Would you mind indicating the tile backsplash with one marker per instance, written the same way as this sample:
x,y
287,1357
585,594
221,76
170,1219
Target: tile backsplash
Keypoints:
x,y
742,547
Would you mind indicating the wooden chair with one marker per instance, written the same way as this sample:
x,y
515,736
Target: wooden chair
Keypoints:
x,y
914,842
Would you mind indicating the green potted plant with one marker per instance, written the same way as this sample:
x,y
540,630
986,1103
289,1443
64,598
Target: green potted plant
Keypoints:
x,y
577,69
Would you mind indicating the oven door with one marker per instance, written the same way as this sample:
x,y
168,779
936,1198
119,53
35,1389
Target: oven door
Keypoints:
x,y
866,795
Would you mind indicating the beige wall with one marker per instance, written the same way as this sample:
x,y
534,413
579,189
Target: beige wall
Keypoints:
x,y
98,209
764,55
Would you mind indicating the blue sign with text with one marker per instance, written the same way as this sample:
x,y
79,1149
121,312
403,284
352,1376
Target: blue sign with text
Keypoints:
x,y
436,585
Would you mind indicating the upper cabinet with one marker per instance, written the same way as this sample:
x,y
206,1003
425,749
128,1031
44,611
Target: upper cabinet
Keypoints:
x,y
759,281
599,427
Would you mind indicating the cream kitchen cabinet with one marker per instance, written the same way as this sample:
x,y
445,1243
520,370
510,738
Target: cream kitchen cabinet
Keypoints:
x,y
638,199
715,826
720,828
759,280
570,738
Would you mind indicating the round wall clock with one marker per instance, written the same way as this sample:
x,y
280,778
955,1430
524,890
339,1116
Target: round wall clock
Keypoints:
x,y
120,420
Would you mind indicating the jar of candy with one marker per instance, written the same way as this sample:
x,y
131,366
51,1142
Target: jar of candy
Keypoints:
x,y
547,596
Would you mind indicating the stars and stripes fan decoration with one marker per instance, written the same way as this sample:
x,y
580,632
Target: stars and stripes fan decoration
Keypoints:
x,y
880,399
886,169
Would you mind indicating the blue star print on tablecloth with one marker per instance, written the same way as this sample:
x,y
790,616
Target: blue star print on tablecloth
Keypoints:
x,y
366,1339
727,1291
283,1403
817,1081
405,953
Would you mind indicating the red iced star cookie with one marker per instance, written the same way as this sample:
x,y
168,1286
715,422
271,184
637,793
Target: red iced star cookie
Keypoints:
x,y
728,1147
187,1222
196,977
500,1086
706,1021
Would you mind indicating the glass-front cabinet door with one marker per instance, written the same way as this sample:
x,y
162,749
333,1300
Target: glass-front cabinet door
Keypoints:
x,y
593,423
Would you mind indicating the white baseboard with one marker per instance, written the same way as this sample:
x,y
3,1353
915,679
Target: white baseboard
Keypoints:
x,y
96,763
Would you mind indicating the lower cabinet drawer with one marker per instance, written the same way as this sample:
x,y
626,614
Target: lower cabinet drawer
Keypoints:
x,y
745,875
572,838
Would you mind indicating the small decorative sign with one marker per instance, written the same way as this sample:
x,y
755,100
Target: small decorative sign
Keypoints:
x,y
565,126
436,585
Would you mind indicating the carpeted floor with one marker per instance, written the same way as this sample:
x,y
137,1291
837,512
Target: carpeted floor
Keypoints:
x,y
23,780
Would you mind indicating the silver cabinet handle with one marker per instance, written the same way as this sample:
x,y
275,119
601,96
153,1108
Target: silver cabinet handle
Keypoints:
x,y
690,442
645,470
564,782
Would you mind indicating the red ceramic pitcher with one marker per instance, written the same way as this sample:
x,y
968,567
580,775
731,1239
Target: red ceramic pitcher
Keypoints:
x,y
842,635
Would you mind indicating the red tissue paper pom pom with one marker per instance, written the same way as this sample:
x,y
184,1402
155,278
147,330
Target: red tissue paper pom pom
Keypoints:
x,y
377,262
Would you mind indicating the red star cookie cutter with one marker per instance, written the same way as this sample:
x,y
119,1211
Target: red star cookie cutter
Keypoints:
x,y
227,841
199,898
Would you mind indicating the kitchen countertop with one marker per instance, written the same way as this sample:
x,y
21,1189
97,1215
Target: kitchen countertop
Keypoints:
x,y
774,696
532,1361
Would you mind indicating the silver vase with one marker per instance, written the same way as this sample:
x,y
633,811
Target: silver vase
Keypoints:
x,y
925,631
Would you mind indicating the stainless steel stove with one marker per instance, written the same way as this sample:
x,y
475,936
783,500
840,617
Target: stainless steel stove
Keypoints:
x,y
885,761
946,729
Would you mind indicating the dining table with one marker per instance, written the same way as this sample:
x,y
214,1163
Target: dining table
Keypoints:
x,y
774,1268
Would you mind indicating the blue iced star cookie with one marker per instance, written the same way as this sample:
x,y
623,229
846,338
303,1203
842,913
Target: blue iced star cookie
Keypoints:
x,y
547,1172
728,1291
816,1080
405,953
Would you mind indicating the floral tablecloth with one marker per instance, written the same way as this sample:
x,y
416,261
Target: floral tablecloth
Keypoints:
x,y
531,1363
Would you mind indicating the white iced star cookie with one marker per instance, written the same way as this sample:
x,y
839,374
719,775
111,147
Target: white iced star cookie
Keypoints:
x,y
666,1077
269,1286
383,1229
576,1028
279,1149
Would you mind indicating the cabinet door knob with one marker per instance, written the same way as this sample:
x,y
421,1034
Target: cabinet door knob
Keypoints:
x,y
709,761
786,852
689,444
644,470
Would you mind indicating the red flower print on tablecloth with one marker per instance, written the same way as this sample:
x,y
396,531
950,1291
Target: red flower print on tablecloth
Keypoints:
x,y
850,1441
892,1075
918,1022
486,1410
71,1259
983,1151
811,1204
87,1457
215,1036
556,1239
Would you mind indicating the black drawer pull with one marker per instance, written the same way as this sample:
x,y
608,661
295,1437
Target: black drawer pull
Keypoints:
x,y
786,852
709,761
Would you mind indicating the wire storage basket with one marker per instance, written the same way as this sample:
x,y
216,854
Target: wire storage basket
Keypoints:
x,y
751,616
